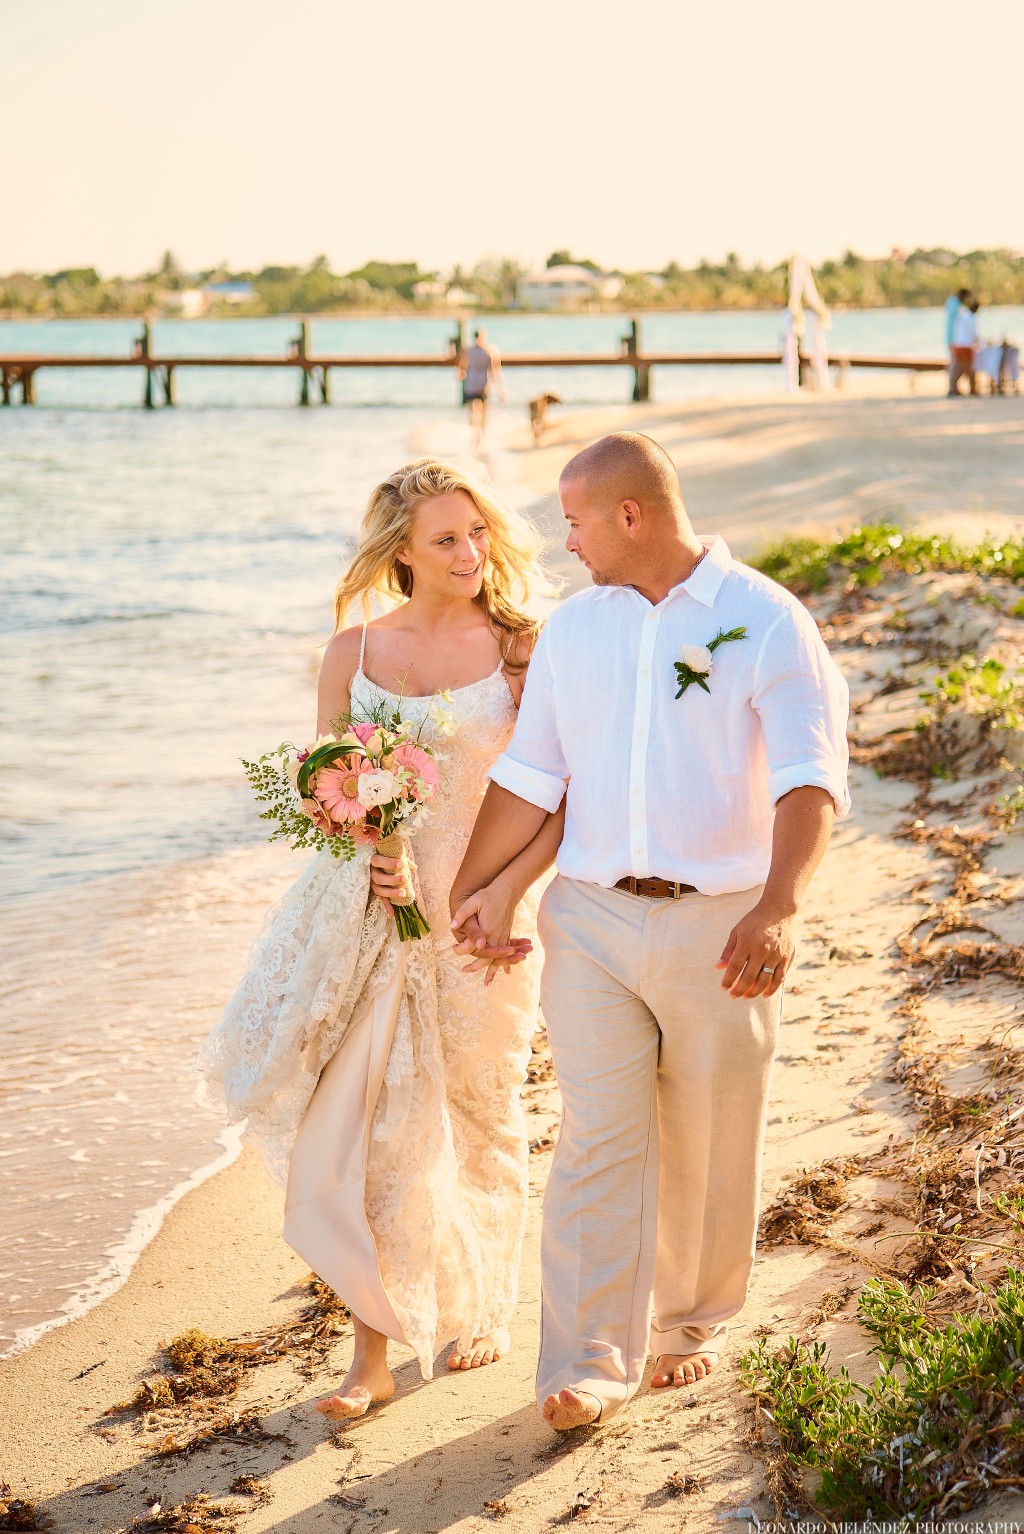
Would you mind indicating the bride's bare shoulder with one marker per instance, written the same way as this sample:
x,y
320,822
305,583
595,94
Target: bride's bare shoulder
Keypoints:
x,y
341,653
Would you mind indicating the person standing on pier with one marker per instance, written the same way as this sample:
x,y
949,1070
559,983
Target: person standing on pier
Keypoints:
x,y
954,303
965,347
479,368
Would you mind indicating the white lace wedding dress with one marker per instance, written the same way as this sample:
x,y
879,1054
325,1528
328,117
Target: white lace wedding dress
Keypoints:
x,y
381,1082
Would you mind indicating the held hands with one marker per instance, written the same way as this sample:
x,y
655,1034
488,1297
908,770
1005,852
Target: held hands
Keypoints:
x,y
757,955
482,925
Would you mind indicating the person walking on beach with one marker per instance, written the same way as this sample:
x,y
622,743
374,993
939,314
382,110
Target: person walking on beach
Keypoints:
x,y
687,713
479,367
377,1076
954,303
965,347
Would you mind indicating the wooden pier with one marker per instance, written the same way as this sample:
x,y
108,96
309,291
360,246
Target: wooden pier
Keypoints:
x,y
18,371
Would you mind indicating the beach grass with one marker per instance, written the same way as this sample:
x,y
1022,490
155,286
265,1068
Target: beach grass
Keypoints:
x,y
865,555
939,1426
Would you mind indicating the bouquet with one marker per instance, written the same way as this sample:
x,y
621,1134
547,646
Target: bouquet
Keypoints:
x,y
353,788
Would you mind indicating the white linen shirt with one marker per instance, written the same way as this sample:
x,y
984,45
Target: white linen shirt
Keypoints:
x,y
965,328
678,788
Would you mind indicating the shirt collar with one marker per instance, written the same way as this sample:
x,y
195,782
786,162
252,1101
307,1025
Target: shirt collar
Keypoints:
x,y
706,581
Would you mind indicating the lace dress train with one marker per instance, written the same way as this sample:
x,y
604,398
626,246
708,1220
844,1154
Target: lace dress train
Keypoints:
x,y
382,1083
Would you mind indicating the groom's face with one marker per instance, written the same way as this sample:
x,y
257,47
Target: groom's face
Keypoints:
x,y
598,532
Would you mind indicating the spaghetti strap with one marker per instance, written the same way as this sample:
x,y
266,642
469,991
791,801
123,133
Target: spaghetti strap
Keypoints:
x,y
362,649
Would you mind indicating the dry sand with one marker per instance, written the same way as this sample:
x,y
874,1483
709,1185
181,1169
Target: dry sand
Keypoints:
x,y
755,469
467,1450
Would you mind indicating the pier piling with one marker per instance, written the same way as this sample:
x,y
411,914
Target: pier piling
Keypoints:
x,y
641,369
302,354
145,358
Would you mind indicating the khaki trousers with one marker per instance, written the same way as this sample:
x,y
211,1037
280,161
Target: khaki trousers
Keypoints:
x,y
653,1195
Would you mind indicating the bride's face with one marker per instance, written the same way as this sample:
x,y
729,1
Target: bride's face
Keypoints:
x,y
448,548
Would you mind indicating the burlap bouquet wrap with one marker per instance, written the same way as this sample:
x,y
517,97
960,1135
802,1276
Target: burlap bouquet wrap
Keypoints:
x,y
395,846
409,919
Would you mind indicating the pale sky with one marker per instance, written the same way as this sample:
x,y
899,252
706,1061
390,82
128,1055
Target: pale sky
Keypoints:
x,y
631,133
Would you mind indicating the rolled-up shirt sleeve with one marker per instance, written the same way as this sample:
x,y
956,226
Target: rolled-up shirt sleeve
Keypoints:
x,y
533,768
803,703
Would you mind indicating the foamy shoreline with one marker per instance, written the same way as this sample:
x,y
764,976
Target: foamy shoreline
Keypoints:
x,y
124,1255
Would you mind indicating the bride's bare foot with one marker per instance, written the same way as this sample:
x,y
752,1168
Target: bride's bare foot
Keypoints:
x,y
485,1350
567,1410
683,1368
367,1381
362,1387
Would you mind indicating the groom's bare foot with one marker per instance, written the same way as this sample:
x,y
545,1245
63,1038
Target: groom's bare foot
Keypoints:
x,y
363,1386
485,1350
683,1368
567,1410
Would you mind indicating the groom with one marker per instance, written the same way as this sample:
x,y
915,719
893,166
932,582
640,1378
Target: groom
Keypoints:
x,y
689,711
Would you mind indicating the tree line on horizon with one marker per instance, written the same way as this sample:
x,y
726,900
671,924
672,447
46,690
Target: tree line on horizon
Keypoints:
x,y
918,279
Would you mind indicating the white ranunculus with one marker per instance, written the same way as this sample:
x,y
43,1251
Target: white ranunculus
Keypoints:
x,y
698,657
376,788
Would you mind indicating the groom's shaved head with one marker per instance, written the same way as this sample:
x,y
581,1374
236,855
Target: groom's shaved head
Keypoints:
x,y
627,466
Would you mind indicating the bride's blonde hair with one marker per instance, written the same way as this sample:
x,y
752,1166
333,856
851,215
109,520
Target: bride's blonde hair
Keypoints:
x,y
513,573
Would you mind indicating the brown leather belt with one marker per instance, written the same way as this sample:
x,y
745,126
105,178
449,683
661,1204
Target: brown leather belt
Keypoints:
x,y
655,889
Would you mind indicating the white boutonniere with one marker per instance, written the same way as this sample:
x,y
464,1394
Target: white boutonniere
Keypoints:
x,y
697,660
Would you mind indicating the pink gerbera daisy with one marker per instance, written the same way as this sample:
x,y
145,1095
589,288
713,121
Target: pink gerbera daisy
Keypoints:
x,y
337,789
420,764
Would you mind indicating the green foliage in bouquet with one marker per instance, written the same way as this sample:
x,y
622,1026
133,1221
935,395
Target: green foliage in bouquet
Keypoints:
x,y
270,783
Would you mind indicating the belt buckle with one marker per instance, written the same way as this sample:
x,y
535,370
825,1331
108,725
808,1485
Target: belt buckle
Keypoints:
x,y
677,890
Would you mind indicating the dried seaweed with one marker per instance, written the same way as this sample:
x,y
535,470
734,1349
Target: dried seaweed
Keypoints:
x,y
223,1427
583,1504
196,1515
18,1515
206,1367
806,1207
680,1485
251,1486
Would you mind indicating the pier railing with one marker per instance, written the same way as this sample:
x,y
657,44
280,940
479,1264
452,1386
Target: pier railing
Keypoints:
x,y
18,370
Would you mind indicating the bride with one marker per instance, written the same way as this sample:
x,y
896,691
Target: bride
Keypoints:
x,y
381,1079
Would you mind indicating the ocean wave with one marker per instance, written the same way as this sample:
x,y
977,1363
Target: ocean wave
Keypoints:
x,y
123,1257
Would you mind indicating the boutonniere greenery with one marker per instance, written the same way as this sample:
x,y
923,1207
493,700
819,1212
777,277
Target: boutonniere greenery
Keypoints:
x,y
698,659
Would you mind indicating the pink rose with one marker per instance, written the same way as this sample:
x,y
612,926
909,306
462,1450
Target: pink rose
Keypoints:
x,y
362,732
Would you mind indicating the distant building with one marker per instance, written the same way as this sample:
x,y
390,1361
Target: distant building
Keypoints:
x,y
188,302
433,291
566,287
237,291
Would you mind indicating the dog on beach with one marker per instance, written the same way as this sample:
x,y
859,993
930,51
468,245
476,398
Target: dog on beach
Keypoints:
x,y
539,413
